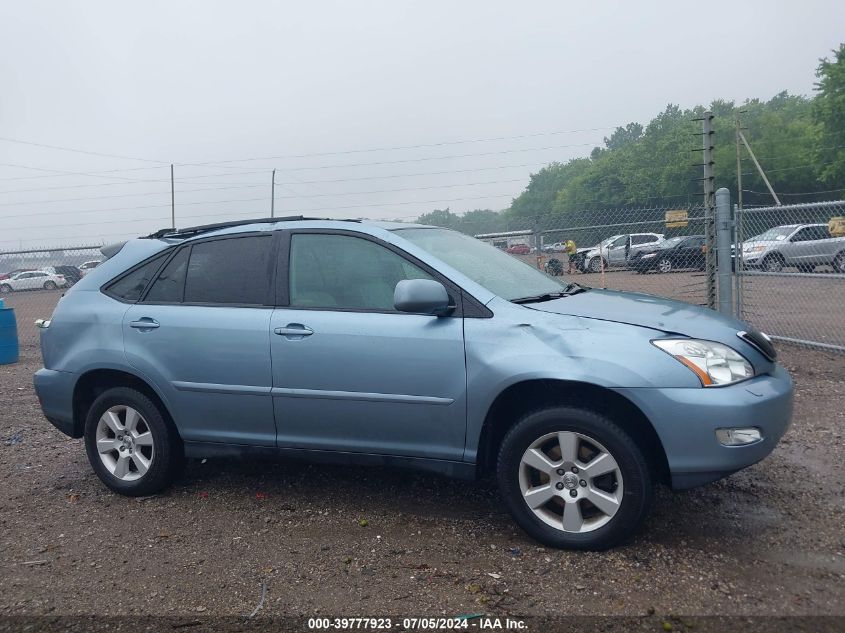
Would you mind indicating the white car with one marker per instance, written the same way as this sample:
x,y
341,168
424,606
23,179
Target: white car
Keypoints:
x,y
616,251
87,267
32,280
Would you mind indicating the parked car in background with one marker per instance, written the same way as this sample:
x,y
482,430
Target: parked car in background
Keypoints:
x,y
685,251
519,249
11,273
87,267
247,338
803,246
616,251
33,280
71,273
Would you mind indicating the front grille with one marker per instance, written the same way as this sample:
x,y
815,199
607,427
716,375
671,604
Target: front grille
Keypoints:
x,y
760,342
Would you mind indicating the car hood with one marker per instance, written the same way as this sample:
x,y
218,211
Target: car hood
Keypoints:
x,y
763,242
644,310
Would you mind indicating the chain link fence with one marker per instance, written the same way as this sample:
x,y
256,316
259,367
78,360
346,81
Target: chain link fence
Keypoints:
x,y
658,250
791,270
32,281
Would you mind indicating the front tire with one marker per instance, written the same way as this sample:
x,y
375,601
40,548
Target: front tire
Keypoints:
x,y
49,285
773,264
132,448
595,265
5,289
838,263
571,478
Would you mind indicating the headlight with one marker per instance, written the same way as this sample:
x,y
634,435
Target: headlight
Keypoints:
x,y
713,363
647,255
754,249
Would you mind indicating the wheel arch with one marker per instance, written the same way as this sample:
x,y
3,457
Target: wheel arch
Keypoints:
x,y
95,381
528,395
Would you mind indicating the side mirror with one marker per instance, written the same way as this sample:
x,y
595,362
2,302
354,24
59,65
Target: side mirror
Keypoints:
x,y
421,296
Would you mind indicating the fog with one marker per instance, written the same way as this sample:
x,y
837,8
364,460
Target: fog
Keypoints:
x,y
379,109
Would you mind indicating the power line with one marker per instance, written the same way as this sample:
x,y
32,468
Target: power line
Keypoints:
x,y
78,151
401,147
252,186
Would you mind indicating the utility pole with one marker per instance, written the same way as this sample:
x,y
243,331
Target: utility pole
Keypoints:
x,y
273,195
172,199
709,206
759,169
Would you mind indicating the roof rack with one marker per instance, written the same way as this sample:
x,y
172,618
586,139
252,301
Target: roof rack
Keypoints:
x,y
205,228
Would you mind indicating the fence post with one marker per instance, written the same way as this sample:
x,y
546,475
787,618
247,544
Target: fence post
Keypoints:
x,y
723,250
709,211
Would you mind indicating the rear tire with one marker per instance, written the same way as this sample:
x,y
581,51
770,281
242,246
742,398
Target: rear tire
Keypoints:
x,y
150,456
564,478
838,263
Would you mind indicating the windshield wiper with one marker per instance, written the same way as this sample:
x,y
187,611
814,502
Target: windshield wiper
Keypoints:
x,y
570,289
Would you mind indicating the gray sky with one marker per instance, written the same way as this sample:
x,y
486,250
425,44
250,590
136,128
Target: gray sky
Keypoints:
x,y
230,90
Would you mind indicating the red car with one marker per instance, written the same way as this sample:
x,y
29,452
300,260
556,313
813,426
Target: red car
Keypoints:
x,y
519,249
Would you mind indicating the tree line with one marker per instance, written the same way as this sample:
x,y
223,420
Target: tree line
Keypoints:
x,y
799,141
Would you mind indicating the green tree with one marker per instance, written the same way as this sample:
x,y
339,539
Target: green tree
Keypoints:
x,y
829,116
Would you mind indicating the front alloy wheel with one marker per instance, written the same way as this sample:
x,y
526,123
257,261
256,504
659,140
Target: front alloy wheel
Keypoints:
x,y
571,482
572,478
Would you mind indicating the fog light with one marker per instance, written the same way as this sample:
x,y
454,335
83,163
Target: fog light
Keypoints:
x,y
738,437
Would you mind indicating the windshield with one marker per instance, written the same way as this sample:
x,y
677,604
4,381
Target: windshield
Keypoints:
x,y
502,274
777,234
672,242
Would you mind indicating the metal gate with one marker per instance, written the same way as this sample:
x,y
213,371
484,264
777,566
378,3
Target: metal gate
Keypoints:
x,y
790,272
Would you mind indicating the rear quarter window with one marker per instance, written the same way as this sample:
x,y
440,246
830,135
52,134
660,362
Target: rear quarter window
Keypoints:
x,y
130,286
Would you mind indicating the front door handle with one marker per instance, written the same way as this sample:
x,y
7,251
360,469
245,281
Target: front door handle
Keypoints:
x,y
144,323
294,330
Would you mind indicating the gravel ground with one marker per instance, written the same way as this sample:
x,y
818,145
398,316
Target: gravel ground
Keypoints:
x,y
342,540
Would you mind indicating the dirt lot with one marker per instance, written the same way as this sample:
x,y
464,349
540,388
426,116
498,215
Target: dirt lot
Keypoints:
x,y
341,540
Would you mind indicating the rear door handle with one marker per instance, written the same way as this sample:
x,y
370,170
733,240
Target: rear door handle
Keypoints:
x,y
294,330
144,323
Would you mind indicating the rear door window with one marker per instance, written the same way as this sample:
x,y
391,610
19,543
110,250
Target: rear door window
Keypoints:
x,y
233,271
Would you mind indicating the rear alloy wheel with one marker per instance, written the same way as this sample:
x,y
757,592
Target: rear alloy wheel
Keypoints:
x,y
573,479
5,288
773,264
130,446
665,265
49,285
839,263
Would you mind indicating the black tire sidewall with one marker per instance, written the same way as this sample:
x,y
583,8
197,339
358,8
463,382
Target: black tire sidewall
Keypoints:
x,y
168,447
637,485
668,265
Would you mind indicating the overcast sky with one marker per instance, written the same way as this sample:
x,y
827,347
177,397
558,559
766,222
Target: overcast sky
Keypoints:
x,y
230,90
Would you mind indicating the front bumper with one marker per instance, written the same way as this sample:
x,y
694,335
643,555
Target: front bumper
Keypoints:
x,y
686,421
55,394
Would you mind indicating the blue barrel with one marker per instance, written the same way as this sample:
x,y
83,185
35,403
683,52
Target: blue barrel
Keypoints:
x,y
8,335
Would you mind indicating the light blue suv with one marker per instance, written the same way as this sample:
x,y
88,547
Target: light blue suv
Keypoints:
x,y
404,345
